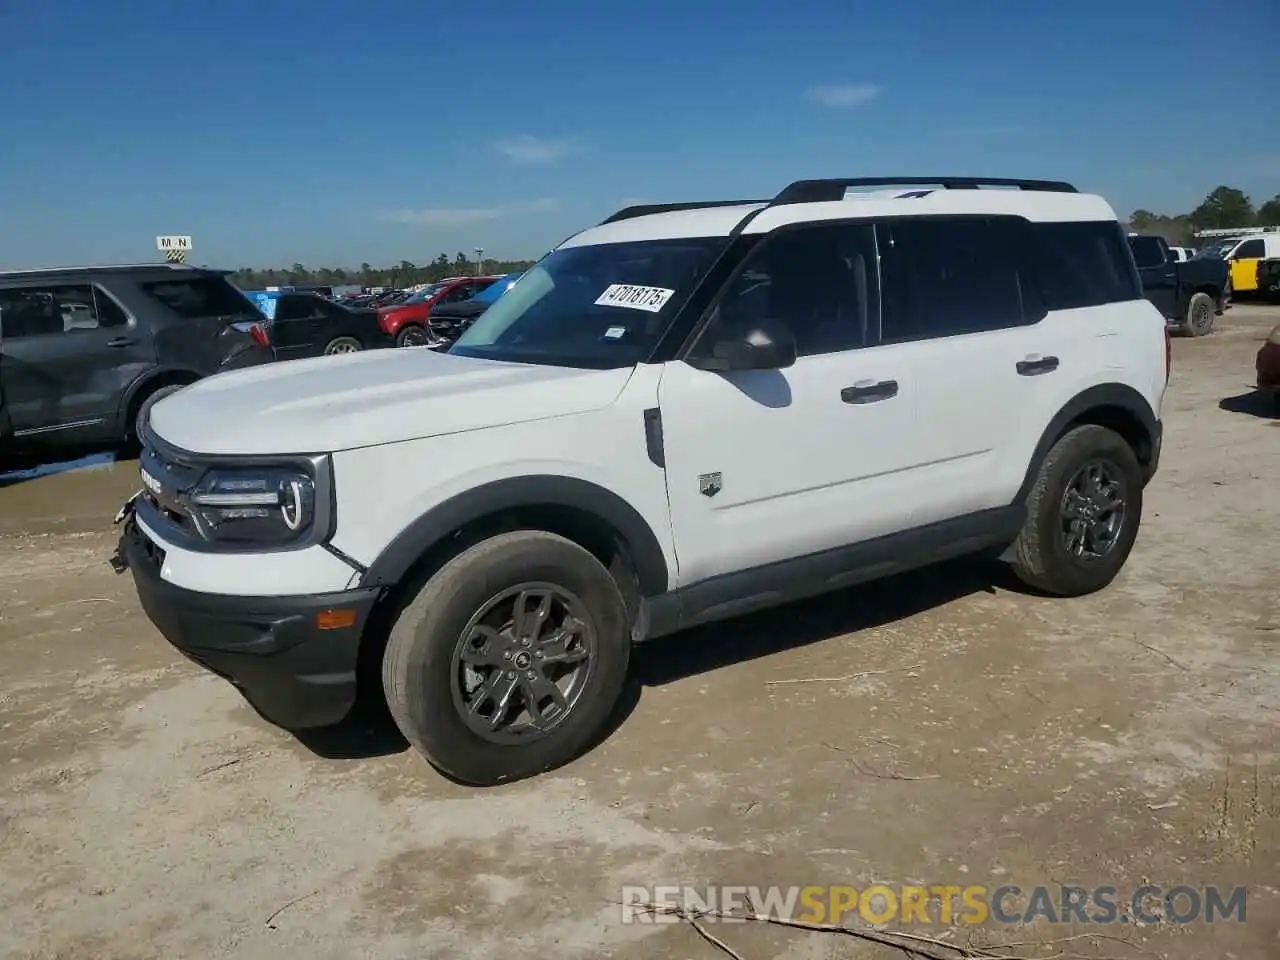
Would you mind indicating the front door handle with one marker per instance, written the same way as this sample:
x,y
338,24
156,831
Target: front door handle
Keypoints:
x,y
1031,368
869,392
121,342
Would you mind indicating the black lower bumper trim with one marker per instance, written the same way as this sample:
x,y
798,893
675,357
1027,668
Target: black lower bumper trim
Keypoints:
x,y
273,649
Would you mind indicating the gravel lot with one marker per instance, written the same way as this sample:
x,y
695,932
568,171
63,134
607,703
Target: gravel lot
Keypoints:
x,y
952,729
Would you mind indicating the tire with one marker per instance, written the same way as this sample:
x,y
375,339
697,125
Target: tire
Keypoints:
x,y
1201,311
144,410
340,345
422,676
412,335
1042,558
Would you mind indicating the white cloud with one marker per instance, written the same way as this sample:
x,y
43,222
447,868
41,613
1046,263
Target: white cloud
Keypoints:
x,y
527,149
463,216
843,94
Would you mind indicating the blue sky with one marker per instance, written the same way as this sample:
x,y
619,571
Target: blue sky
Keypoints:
x,y
333,132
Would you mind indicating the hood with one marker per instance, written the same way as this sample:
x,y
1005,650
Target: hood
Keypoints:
x,y
460,311
327,404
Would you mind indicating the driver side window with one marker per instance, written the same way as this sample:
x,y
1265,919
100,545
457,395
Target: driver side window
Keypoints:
x,y
818,281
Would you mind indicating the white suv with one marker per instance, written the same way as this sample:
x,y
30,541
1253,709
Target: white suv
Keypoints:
x,y
687,412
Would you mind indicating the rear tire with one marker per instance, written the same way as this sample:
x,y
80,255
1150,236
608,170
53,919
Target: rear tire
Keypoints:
x,y
144,411
458,648
1044,554
1201,311
342,345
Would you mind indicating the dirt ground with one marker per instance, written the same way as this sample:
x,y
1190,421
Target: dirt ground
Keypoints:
x,y
952,730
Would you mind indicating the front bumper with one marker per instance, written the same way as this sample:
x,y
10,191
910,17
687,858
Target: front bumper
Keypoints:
x,y
295,672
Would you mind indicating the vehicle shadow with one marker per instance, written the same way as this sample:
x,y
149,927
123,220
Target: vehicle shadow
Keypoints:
x,y
16,471
370,732
1254,404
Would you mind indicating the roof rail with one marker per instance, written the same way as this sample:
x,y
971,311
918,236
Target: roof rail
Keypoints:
x,y
818,191
644,209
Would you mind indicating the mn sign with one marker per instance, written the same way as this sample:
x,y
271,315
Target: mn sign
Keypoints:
x,y
173,243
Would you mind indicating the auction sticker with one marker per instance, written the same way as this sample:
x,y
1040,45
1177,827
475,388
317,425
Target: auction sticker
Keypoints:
x,y
634,297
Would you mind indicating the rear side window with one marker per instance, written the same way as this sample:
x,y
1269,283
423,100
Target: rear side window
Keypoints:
x,y
1083,264
56,309
1147,252
195,297
943,277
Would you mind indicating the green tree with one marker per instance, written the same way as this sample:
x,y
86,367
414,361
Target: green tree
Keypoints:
x,y
1269,213
1224,208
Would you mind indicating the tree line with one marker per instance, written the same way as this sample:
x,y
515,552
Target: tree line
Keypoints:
x,y
400,275
1225,208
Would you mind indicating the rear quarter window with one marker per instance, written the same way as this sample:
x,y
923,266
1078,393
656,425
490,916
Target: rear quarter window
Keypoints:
x,y
1083,264
195,297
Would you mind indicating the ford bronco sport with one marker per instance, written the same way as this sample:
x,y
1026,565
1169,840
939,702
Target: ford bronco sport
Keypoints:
x,y
685,413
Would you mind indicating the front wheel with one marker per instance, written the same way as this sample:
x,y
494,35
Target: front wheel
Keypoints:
x,y
413,335
1083,514
510,660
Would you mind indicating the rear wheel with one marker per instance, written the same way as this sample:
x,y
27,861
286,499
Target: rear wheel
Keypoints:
x,y
144,411
1200,314
510,659
413,335
1083,514
342,345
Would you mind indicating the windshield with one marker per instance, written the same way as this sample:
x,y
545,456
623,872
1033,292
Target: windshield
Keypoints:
x,y
600,307
1217,250
496,289
426,293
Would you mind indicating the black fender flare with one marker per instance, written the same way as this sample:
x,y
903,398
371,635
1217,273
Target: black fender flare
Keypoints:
x,y
440,521
146,382
1114,395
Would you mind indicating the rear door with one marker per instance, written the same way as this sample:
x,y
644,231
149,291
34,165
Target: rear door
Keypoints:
x,y
195,310
68,351
955,328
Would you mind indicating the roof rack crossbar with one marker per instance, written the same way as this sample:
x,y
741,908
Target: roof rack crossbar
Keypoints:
x,y
818,191
644,209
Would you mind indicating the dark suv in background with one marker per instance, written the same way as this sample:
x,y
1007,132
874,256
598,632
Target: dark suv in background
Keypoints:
x,y
85,351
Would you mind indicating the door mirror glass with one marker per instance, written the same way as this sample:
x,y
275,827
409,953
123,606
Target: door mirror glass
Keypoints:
x,y
764,345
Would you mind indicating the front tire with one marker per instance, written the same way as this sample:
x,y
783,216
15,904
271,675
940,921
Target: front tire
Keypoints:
x,y
413,335
1083,514
510,660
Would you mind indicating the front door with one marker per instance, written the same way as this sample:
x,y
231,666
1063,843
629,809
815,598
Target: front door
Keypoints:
x,y
67,354
769,465
1159,274
1244,264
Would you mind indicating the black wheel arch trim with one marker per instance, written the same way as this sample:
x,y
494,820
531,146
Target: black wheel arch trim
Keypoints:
x,y
147,382
1103,395
492,498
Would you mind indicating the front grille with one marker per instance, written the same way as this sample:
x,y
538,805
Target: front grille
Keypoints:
x,y
174,475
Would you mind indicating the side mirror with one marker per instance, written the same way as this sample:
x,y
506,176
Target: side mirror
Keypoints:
x,y
767,345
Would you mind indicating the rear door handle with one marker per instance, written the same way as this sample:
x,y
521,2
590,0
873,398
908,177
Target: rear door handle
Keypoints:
x,y
869,392
1031,368
121,342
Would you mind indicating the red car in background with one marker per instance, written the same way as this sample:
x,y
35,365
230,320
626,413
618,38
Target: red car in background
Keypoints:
x,y
407,320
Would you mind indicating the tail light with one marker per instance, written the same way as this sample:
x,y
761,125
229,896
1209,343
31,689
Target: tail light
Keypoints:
x,y
1168,356
259,334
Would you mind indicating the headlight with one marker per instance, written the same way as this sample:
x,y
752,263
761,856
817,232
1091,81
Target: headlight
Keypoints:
x,y
1274,337
267,506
